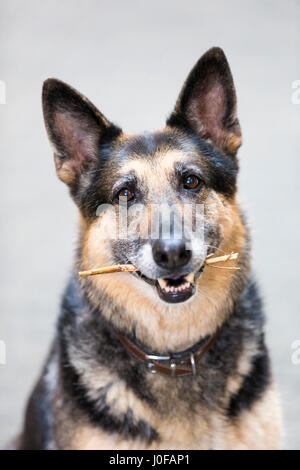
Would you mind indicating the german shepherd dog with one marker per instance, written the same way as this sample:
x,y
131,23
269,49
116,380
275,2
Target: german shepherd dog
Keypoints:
x,y
171,356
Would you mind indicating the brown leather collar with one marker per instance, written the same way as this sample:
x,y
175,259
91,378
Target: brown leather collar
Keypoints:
x,y
172,365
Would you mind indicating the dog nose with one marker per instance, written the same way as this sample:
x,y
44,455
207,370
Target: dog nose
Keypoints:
x,y
170,254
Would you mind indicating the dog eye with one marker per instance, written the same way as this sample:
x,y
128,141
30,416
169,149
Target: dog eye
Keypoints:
x,y
191,182
125,195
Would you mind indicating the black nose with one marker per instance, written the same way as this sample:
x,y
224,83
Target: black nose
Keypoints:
x,y
170,254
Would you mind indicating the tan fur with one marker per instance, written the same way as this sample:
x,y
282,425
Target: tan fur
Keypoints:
x,y
243,367
233,142
258,428
63,171
155,172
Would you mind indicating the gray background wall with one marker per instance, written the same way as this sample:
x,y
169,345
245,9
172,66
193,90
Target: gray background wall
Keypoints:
x,y
131,58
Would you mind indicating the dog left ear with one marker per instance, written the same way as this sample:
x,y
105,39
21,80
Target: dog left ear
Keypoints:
x,y
207,103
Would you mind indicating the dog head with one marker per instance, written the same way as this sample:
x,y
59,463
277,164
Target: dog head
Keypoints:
x,y
152,181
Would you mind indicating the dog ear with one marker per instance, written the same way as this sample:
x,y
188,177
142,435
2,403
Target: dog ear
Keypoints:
x,y
207,103
75,128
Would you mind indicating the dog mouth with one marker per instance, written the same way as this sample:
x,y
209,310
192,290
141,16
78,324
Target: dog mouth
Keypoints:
x,y
176,288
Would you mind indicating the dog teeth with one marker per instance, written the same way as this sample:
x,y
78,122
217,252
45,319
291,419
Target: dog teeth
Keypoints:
x,y
162,282
173,289
190,278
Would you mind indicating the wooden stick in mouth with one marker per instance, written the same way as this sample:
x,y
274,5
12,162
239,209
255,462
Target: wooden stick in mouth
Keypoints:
x,y
217,259
130,267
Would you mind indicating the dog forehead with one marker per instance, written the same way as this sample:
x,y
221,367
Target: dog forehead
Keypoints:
x,y
151,156
162,163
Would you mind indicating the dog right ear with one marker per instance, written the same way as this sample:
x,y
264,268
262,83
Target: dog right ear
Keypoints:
x,y
75,128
